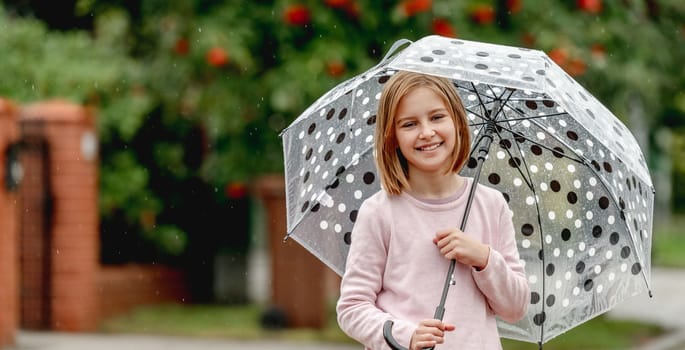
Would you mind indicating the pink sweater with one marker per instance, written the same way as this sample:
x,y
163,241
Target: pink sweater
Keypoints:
x,y
394,271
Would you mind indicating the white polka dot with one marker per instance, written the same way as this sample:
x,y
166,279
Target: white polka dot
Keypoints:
x,y
530,200
569,214
570,253
518,182
342,207
576,290
589,215
533,279
548,239
349,178
598,269
358,194
593,181
624,267
558,284
565,302
567,275
557,252
609,254
581,246
589,195
571,168
599,288
338,228
323,225
552,215
612,276
525,243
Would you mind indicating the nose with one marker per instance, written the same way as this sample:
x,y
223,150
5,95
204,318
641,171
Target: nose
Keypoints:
x,y
426,132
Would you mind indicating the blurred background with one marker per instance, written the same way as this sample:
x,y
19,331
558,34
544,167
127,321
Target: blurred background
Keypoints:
x,y
186,99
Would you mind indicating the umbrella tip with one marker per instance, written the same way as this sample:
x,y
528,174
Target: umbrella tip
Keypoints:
x,y
650,294
285,239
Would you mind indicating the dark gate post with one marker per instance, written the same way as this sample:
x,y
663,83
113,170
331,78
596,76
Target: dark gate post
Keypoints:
x,y
9,173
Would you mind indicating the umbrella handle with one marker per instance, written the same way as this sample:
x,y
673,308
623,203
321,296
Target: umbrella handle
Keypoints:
x,y
390,340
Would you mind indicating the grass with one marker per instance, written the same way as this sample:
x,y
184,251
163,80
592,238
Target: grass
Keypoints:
x,y
668,244
243,322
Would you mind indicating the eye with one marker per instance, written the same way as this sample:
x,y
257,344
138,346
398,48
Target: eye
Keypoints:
x,y
407,124
438,116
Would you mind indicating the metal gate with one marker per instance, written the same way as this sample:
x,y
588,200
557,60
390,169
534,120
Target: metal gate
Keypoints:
x,y
35,217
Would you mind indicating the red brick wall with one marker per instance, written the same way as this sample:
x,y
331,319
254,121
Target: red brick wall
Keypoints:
x,y
122,288
9,313
74,235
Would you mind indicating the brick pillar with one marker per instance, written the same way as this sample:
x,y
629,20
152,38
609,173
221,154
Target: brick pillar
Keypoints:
x,y
9,300
298,279
69,131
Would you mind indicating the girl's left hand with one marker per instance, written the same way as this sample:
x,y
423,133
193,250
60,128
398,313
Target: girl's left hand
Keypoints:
x,y
455,244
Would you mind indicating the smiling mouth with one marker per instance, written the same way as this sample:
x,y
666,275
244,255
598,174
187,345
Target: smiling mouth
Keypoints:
x,y
429,147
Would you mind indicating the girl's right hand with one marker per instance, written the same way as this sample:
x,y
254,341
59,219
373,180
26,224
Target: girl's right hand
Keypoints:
x,y
429,333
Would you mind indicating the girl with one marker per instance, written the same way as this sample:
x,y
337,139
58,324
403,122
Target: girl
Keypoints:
x,y
406,234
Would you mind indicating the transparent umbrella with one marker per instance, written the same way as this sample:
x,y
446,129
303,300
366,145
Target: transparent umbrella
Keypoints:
x,y
572,173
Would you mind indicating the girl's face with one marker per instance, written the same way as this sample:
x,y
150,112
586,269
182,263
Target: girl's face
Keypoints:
x,y
425,131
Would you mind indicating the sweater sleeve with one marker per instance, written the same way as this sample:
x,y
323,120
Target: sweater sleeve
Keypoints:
x,y
503,281
358,315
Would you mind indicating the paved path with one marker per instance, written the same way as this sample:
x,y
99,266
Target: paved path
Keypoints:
x,y
67,341
665,308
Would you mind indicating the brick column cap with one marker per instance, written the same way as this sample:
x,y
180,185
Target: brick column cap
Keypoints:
x,y
57,110
7,108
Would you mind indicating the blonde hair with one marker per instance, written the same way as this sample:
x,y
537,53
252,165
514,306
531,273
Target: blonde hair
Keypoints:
x,y
390,162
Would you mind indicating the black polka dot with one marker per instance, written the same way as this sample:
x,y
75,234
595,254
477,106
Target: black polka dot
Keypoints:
x,y
347,237
572,197
371,120
614,238
555,186
316,207
625,252
369,178
305,206
537,150
473,163
636,268
558,152
588,285
596,165
335,183
531,104
580,267
481,66
353,215
494,178
565,234
539,319
427,59
482,54
343,113
328,155
534,298
330,114
505,143
311,128
514,162
597,231
305,178
340,171
309,153
604,202
549,270
527,229
550,300
548,103
438,52
340,138
572,135
607,167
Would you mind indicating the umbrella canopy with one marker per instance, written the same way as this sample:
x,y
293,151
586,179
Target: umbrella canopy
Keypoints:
x,y
572,173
